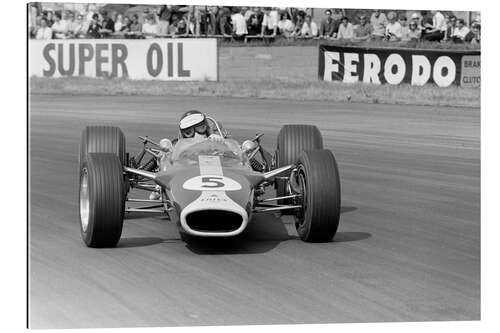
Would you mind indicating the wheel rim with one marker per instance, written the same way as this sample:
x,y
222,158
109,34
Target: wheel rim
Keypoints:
x,y
84,200
300,213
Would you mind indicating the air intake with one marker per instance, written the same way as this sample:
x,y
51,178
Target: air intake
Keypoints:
x,y
213,220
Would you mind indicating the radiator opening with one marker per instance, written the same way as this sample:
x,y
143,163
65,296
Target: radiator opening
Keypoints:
x,y
214,221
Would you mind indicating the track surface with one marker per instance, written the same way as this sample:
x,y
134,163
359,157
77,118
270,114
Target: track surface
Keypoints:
x,y
408,246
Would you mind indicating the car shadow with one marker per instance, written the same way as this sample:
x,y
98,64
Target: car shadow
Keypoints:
x,y
347,209
143,241
262,234
350,236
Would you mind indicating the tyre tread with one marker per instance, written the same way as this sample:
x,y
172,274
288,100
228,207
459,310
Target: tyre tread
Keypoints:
x,y
107,192
324,196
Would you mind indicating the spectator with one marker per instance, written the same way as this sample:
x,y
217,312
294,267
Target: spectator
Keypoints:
x,y
253,26
414,32
164,17
450,27
94,27
172,28
135,26
269,22
119,22
309,28
460,32
364,30
50,18
76,28
327,26
64,19
70,22
191,23
415,18
126,25
337,15
294,15
474,36
32,20
259,14
143,15
239,23
60,27
90,13
436,33
225,27
298,25
247,13
425,24
405,30
182,28
378,21
44,32
150,29
285,25
346,29
107,24
393,28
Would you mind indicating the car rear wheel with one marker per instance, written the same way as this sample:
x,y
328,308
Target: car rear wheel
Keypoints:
x,y
292,141
318,179
102,139
101,200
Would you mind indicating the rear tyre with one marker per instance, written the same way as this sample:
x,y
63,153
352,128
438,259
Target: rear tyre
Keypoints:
x,y
292,141
102,139
101,200
318,178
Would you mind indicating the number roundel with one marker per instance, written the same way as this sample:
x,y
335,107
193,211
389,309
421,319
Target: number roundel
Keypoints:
x,y
211,183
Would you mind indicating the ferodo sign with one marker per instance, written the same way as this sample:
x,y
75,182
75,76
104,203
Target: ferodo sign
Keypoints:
x,y
151,59
396,66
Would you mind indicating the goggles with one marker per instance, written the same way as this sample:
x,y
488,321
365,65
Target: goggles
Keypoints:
x,y
189,132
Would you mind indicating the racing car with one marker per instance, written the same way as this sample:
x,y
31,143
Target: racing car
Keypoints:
x,y
209,189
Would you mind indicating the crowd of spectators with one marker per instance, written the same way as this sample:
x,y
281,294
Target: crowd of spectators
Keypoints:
x,y
257,22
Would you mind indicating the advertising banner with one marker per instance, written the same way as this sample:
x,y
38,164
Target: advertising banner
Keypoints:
x,y
395,66
146,59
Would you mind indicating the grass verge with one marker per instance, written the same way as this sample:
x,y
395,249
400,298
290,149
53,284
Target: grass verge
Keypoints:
x,y
266,88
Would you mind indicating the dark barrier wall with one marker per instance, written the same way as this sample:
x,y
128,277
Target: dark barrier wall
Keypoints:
x,y
394,66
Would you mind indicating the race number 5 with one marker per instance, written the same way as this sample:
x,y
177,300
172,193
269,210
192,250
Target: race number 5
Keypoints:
x,y
212,182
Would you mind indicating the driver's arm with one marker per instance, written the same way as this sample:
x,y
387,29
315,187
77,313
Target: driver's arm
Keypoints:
x,y
216,138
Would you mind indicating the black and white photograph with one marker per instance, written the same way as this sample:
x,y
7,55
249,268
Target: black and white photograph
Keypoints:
x,y
204,164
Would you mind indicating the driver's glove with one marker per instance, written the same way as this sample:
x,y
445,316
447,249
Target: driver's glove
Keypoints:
x,y
216,138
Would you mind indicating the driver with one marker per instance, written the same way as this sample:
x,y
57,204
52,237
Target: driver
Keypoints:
x,y
193,124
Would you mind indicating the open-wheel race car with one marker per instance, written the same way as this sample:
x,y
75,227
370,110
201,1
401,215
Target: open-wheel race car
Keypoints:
x,y
208,188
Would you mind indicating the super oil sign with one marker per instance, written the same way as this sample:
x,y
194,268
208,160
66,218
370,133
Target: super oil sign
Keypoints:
x,y
155,59
396,66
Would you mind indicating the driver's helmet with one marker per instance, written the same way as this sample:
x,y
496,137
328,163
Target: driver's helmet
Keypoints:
x,y
193,123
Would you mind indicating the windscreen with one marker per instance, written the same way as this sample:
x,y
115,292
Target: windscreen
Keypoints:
x,y
186,151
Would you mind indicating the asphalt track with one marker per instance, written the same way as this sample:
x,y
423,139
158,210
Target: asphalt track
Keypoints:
x,y
408,246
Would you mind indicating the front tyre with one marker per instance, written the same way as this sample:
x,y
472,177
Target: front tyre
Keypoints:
x,y
318,179
102,202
